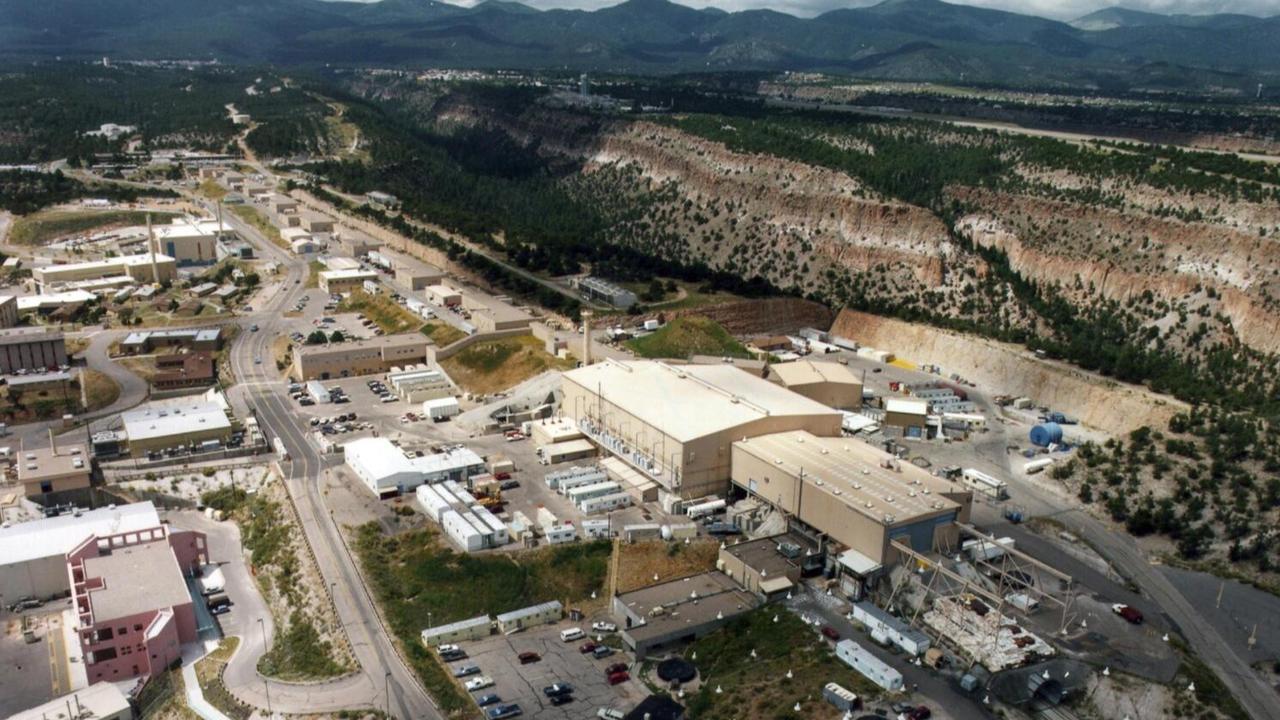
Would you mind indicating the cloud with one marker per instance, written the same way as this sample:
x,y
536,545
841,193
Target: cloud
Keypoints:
x,y
1057,9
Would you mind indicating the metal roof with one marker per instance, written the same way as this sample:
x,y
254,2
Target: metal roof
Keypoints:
x,y
59,535
807,372
532,610
174,420
692,401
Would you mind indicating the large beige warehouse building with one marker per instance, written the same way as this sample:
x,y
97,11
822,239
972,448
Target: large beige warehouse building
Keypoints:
x,y
375,355
676,424
831,384
138,268
856,494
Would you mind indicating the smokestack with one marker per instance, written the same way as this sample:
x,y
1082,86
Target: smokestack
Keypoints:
x,y
219,219
151,245
53,442
586,337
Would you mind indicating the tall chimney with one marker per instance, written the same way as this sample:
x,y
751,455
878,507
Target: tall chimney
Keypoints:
x,y
53,442
151,245
586,337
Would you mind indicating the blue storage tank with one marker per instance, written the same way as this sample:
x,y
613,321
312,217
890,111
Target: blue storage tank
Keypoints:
x,y
1046,434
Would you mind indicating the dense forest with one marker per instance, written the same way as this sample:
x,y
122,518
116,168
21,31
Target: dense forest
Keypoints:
x,y
23,192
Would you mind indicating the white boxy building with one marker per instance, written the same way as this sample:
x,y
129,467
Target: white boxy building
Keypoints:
x,y
386,470
517,620
572,477
880,623
605,503
474,628
582,493
868,665
469,525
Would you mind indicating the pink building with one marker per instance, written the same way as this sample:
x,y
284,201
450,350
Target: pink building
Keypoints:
x,y
133,608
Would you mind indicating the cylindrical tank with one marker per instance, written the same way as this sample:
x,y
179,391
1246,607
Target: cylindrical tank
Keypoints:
x,y
1046,434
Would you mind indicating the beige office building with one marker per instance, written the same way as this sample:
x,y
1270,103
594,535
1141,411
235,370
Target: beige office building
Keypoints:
x,y
375,355
31,349
854,493
829,383
489,314
676,424
52,470
139,268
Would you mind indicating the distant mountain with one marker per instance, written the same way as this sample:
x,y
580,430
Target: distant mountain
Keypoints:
x,y
904,39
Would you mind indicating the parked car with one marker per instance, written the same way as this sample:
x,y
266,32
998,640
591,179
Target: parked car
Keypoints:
x,y
602,651
587,647
486,700
830,633
466,670
615,668
501,712
1128,612
920,713
479,683
618,678
571,634
558,700
609,714
557,689
527,658
453,655
606,627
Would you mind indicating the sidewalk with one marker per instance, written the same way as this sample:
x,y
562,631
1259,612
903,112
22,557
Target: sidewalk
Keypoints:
x,y
195,696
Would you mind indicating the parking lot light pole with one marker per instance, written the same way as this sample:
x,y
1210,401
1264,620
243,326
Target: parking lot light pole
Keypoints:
x,y
386,688
266,686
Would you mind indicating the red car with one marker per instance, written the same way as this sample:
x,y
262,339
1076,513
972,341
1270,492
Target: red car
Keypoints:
x,y
587,647
529,657
502,476
830,633
920,713
1128,612
615,668
619,678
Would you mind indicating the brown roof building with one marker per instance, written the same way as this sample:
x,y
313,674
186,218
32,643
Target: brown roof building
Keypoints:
x,y
184,371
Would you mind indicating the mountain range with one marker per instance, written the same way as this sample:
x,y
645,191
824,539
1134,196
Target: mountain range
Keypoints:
x,y
896,39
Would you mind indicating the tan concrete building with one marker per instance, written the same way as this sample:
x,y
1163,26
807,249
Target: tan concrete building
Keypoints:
x,y
490,314
139,268
412,272
190,243
676,424
314,222
8,311
345,281
856,494
31,349
910,414
354,243
375,355
829,383
55,469
179,423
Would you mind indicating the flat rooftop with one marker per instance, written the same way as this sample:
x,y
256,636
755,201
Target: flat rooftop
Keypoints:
x,y
36,302
189,229
109,263
907,406
42,464
808,372
135,579
193,334
99,700
692,401
171,420
763,554
60,535
356,273
854,473
686,603
25,335
380,341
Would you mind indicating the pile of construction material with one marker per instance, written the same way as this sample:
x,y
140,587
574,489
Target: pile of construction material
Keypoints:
x,y
989,637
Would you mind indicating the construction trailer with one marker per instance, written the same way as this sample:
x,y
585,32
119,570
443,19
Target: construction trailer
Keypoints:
x,y
517,620
586,492
605,503
868,665
574,476
983,483
881,624
475,628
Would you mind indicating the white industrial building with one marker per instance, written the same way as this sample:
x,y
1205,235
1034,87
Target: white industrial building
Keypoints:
x,y
441,408
386,470
100,701
571,477
33,555
182,422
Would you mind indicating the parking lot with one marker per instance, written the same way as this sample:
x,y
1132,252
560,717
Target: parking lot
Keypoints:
x,y
497,658
32,666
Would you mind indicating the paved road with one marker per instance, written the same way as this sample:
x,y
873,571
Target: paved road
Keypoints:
x,y
382,671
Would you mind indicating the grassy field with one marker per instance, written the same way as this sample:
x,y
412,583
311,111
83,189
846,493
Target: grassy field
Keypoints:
x,y
46,225
260,222
418,580
496,365
687,336
638,562
442,333
209,673
75,346
759,687
382,310
100,389
212,190
313,273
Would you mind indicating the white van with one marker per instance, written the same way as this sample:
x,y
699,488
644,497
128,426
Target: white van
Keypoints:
x,y
571,634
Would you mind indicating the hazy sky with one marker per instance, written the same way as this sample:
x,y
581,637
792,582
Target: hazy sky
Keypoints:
x,y
1058,9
